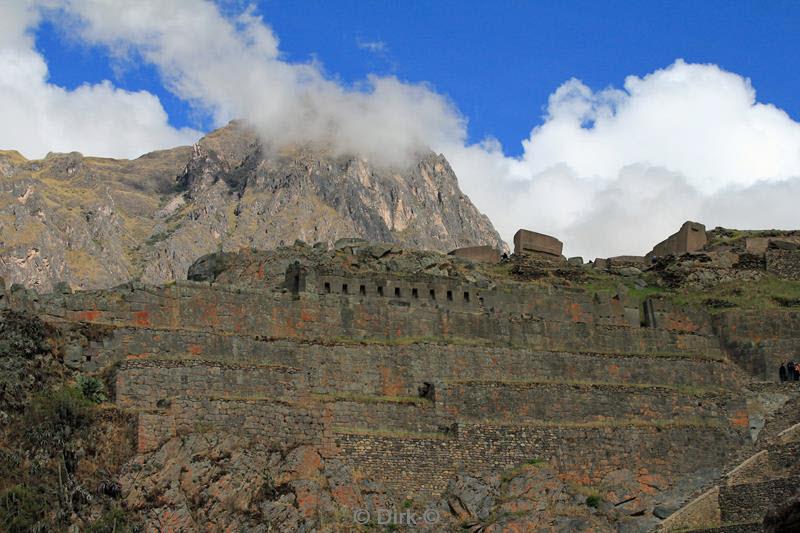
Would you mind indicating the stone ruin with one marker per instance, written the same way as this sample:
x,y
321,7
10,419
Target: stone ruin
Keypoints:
x,y
411,378
537,244
690,238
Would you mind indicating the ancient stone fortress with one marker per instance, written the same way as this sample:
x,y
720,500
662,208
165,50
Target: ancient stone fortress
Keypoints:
x,y
412,377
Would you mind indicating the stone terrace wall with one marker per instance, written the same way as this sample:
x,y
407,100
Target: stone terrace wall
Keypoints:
x,y
280,425
178,397
784,263
554,323
519,403
143,384
548,303
759,341
425,464
400,369
343,371
360,402
751,501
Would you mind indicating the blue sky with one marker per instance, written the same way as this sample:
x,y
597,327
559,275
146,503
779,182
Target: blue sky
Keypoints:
x,y
606,124
497,61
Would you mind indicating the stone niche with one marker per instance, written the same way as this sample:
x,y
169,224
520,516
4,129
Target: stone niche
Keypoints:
x,y
690,238
529,241
479,254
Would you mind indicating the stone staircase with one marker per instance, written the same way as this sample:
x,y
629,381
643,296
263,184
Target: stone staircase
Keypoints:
x,y
741,498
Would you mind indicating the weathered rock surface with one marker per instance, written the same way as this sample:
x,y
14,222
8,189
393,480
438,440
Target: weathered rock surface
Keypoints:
x,y
218,482
95,222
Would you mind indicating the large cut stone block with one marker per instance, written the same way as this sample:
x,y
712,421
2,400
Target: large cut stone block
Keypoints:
x,y
691,237
530,241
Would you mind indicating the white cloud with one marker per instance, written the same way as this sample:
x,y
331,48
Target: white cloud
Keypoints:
x,y
615,171
39,117
610,171
233,69
376,47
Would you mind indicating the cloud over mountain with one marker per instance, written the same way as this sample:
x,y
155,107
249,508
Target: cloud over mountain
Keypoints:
x,y
609,171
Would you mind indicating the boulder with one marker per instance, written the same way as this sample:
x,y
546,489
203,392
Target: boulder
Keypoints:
x,y
781,244
208,267
350,243
470,497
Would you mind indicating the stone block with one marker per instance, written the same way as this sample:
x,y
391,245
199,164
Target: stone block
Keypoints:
x,y
530,241
759,245
632,316
575,261
691,237
479,254
620,261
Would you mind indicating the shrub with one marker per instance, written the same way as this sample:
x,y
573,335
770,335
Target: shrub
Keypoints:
x,y
113,521
64,407
92,388
593,500
787,302
21,509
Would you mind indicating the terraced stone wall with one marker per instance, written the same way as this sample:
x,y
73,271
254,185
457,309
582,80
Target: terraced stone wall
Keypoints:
x,y
555,374
783,263
410,463
759,341
402,368
562,321
518,403
749,502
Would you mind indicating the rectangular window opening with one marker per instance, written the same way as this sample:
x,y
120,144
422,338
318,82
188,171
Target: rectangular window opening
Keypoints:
x,y
344,288
414,293
397,292
327,287
380,291
433,294
449,296
362,290
466,297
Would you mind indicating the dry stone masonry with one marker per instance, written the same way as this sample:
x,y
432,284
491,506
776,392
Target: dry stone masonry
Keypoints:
x,y
539,244
691,237
411,379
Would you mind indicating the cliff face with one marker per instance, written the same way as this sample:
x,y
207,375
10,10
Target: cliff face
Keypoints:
x,y
96,222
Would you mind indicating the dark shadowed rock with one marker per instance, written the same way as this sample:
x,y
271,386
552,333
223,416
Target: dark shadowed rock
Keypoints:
x,y
208,267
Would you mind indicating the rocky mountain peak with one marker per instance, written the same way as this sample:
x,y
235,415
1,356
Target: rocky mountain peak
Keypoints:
x,y
96,222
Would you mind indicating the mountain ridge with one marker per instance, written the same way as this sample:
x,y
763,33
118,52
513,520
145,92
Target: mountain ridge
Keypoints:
x,y
96,222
